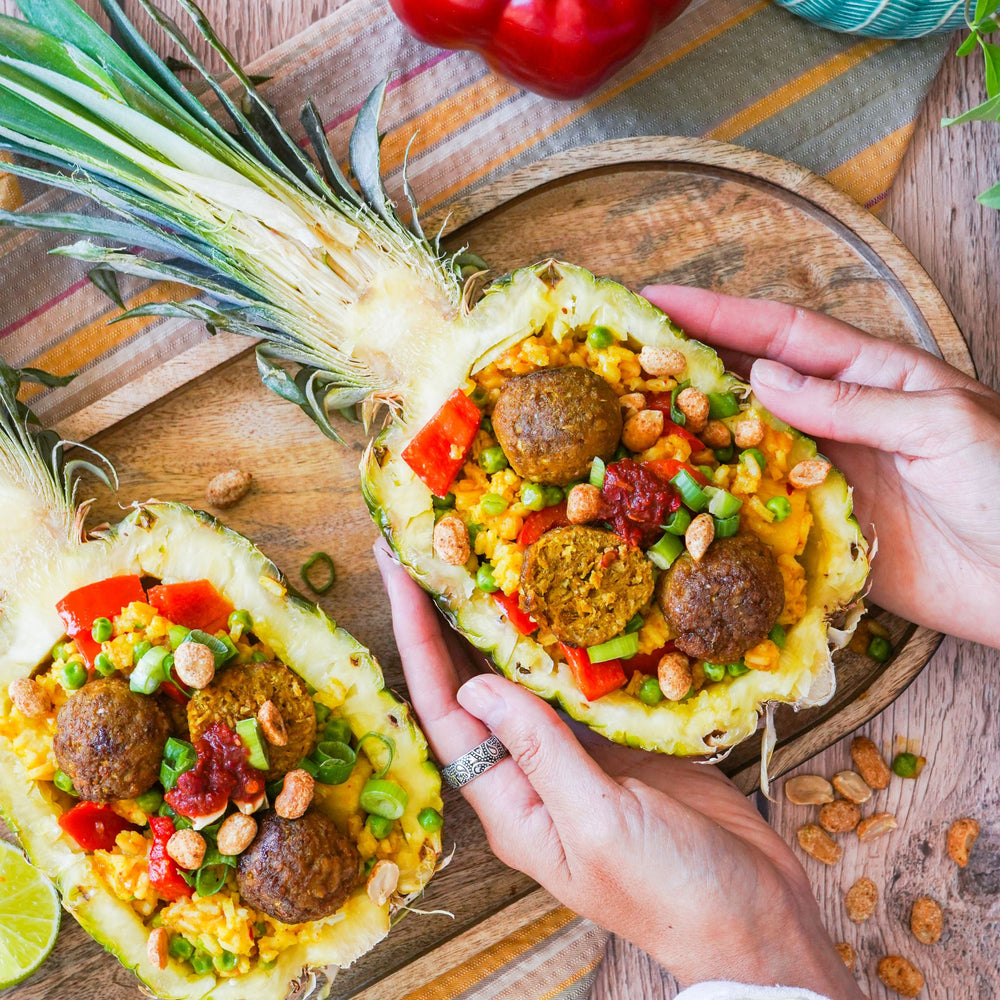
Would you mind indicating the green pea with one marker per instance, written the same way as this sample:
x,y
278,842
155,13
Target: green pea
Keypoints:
x,y
443,503
149,801
140,649
484,579
241,619
74,675
777,635
486,424
780,507
180,948
714,671
493,460
600,338
59,651
493,504
64,782
430,819
201,962
379,826
649,692
479,396
736,669
103,665
907,765
879,648
757,455
553,495
102,629
226,962
474,530
724,455
533,496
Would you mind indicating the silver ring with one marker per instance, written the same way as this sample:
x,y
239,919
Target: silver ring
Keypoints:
x,y
472,764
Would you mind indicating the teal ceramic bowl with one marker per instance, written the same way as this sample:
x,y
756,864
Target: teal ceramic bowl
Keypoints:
x,y
882,18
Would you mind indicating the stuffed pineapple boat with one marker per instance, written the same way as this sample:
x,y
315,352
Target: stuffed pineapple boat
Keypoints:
x,y
590,497
211,772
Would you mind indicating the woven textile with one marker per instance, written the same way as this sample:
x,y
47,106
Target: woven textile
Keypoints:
x,y
883,18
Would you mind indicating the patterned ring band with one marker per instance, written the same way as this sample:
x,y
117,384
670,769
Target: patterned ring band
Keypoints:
x,y
472,764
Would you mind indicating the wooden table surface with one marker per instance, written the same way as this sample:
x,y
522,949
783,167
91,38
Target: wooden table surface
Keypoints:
x,y
950,711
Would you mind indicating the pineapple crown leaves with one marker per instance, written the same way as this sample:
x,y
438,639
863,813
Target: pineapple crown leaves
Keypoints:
x,y
187,200
34,458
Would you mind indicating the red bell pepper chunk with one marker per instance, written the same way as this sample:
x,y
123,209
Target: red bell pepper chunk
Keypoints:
x,y
539,521
442,445
94,827
103,599
594,679
194,604
667,468
646,663
511,607
164,875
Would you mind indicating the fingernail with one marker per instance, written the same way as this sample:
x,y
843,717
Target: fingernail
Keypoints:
x,y
775,375
479,699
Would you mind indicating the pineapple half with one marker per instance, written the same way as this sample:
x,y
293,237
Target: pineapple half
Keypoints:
x,y
43,556
284,248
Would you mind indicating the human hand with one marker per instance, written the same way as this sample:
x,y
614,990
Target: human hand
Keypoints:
x,y
918,440
665,852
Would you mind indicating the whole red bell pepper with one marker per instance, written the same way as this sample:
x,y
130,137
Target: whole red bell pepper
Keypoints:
x,y
93,826
594,679
193,604
103,599
164,875
511,607
559,48
441,446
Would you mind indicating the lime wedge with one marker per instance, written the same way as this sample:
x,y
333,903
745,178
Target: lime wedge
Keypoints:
x,y
29,916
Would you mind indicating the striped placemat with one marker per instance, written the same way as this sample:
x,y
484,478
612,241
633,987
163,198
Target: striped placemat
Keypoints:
x,y
744,71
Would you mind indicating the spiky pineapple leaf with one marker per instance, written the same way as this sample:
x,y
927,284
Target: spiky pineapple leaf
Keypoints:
x,y
313,124
366,154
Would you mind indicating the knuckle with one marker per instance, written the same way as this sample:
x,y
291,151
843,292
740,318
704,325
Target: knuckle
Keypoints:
x,y
530,753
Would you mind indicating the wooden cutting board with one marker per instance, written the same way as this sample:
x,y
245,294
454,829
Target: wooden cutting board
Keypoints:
x,y
639,211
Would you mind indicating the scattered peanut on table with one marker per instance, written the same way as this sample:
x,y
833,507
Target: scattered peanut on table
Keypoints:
x,y
901,975
870,763
818,844
852,786
861,900
228,488
808,790
876,825
839,816
926,920
961,836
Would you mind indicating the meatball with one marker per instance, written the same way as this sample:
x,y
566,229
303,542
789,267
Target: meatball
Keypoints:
x,y
110,741
584,584
297,869
551,423
238,692
728,602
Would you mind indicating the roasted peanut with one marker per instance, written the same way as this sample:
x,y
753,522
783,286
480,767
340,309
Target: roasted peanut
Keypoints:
x,y
716,434
187,848
156,947
272,724
642,430
900,975
926,920
808,790
839,816
194,664
699,535
818,844
296,794
961,836
876,825
236,834
382,881
694,405
451,540
228,488
29,697
749,430
661,362
674,674
870,762
810,472
632,402
852,786
583,504
861,900
848,954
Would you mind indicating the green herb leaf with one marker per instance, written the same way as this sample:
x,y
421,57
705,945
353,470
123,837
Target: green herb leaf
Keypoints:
x,y
984,9
968,45
990,198
988,111
991,53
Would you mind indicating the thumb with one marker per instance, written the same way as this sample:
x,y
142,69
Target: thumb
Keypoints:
x,y
888,419
541,744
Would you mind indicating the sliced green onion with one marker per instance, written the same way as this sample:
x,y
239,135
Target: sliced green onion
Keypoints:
x,y
691,492
337,731
621,647
259,657
140,649
678,522
103,665
780,507
484,579
149,801
64,783
311,767
430,819
757,455
665,551
879,648
706,470
379,826
676,415
493,504
390,746
726,527
328,575
649,692
492,460
598,470
634,623
102,630
180,948
176,634
222,649
334,762
736,669
722,405
250,733
383,798
149,672
714,671
722,504
777,635
600,338
443,503
240,621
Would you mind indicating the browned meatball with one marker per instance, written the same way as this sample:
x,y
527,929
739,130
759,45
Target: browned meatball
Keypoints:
x,y
584,584
298,869
551,423
726,603
110,740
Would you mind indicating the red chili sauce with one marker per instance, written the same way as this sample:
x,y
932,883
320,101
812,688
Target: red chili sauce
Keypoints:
x,y
637,502
222,772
